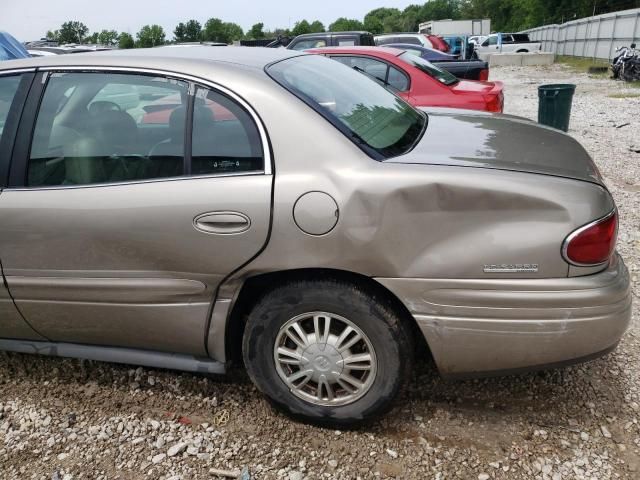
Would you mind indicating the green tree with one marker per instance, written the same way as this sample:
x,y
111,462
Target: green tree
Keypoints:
x,y
256,32
234,31
108,37
93,38
374,21
316,27
72,32
180,33
343,24
150,36
188,32
53,35
300,28
215,30
125,41
193,31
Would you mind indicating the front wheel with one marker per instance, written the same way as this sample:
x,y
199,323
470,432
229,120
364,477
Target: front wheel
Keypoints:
x,y
327,352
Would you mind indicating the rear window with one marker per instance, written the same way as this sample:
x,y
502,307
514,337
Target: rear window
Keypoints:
x,y
520,37
380,123
429,68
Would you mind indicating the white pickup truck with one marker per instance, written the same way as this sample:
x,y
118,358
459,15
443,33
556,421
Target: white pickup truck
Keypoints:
x,y
507,43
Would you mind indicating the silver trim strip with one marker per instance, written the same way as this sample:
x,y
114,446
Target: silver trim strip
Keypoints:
x,y
135,182
17,70
575,233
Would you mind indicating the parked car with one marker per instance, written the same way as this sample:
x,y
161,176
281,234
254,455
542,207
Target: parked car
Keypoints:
x,y
430,54
330,39
477,39
319,237
468,69
421,39
10,48
416,80
507,43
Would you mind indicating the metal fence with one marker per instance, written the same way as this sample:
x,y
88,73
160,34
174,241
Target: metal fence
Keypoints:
x,y
595,37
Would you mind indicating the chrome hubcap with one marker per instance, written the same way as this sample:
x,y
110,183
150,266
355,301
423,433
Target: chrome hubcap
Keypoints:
x,y
325,359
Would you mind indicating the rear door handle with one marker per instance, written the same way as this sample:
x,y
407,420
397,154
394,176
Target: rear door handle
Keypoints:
x,y
222,223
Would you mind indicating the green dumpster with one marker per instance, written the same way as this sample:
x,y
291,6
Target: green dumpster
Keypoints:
x,y
554,105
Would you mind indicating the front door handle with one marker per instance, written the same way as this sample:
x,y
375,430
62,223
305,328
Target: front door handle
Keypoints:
x,y
222,223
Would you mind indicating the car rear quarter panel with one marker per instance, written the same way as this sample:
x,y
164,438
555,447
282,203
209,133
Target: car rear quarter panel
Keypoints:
x,y
399,220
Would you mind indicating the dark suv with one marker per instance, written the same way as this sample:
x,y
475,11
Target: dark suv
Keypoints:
x,y
331,39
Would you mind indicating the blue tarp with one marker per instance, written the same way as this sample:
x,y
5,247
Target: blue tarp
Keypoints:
x,y
10,48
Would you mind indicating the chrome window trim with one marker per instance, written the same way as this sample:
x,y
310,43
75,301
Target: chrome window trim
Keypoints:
x,y
136,182
13,71
267,170
575,233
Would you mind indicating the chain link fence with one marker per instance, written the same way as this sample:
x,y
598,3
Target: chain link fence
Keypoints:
x,y
594,37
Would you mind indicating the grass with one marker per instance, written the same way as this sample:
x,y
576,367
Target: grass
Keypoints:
x,y
626,94
582,64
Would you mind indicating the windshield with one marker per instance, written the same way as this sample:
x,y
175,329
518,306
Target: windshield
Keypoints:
x,y
382,124
429,68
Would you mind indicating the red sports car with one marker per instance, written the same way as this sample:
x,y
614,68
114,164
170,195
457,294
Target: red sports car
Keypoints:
x,y
416,80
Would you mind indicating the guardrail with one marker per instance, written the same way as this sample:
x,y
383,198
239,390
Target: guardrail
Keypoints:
x,y
595,37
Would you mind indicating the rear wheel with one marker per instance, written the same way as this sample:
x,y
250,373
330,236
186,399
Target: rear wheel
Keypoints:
x,y
327,352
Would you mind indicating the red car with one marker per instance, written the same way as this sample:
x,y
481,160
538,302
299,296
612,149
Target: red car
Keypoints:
x,y
416,80
439,43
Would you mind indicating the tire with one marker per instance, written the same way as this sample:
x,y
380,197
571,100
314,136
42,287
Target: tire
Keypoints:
x,y
387,334
522,51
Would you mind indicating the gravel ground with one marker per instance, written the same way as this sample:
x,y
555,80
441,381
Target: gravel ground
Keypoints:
x,y
68,419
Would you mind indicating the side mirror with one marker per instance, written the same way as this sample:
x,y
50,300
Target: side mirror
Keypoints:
x,y
633,45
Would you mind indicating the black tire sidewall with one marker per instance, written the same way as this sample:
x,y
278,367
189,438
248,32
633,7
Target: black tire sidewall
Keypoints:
x,y
381,325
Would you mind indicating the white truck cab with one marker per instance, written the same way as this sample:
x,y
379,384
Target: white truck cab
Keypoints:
x,y
507,43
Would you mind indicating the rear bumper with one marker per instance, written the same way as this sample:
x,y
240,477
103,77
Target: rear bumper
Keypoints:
x,y
497,325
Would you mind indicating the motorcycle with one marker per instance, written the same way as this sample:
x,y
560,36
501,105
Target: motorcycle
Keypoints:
x,y
626,64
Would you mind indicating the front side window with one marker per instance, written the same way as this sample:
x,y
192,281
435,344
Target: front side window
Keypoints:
x,y
492,40
375,119
108,127
225,137
8,88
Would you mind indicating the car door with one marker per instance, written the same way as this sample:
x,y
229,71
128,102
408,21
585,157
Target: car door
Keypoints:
x,y
121,217
13,90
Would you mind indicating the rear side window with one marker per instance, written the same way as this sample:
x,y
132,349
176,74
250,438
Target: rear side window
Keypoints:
x,y
8,89
409,40
371,116
225,137
103,127
311,43
367,40
381,71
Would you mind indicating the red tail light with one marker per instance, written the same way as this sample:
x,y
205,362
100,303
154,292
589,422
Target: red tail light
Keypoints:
x,y
494,103
594,243
484,75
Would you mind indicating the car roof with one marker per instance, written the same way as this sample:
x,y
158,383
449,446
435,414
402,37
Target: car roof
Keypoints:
x,y
162,58
350,32
405,34
359,49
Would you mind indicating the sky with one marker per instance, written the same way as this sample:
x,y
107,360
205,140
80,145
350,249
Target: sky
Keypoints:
x,y
31,20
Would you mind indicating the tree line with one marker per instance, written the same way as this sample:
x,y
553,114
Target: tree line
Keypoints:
x,y
506,15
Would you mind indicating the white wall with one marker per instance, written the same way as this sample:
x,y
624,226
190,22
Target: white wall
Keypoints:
x,y
595,37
